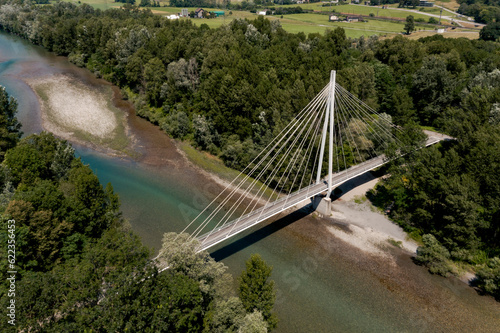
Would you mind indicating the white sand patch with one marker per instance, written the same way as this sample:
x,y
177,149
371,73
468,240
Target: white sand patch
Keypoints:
x,y
365,217
369,229
75,107
365,239
367,223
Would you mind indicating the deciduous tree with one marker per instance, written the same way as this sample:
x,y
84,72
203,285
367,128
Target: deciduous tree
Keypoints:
x,y
490,32
9,126
410,24
257,290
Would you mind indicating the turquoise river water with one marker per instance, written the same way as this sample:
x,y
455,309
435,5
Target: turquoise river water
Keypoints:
x,y
323,284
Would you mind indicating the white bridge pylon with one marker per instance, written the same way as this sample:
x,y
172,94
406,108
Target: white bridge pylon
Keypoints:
x,y
290,168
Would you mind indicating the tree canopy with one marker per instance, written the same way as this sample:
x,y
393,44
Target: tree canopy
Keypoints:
x,y
490,32
256,290
229,90
80,267
409,24
9,126
484,11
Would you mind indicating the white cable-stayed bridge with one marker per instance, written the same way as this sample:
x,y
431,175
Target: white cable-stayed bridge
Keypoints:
x,y
292,167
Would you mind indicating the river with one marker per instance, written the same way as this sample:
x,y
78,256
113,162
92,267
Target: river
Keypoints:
x,y
323,284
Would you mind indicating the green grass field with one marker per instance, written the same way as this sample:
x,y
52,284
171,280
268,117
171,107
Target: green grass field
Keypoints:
x,y
295,23
315,23
98,4
306,23
355,29
365,10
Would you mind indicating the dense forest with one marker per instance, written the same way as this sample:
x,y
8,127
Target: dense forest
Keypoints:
x,y
228,90
79,267
483,11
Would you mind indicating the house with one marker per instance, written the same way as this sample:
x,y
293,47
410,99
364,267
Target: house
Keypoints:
x,y
262,13
333,18
351,19
199,13
425,3
184,12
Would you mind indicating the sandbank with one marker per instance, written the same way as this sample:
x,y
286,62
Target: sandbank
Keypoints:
x,y
80,113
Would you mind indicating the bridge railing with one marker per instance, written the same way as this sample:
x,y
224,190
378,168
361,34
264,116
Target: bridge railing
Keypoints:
x,y
250,219
347,174
256,211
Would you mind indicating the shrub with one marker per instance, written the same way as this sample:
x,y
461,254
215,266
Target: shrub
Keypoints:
x,y
433,20
488,278
434,256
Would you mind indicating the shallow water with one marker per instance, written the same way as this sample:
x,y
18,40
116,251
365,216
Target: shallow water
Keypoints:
x,y
323,285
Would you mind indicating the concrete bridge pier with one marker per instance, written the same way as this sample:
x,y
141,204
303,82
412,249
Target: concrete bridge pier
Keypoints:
x,y
323,205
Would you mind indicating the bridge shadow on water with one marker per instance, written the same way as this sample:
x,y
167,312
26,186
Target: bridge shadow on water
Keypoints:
x,y
257,235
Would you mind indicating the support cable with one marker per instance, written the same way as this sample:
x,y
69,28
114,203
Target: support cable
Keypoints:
x,y
304,120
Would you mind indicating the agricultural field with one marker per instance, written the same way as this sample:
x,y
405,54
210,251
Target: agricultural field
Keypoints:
x,y
319,23
306,23
367,10
450,4
100,4
447,34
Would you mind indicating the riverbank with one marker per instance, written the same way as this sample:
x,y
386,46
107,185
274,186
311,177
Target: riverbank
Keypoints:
x,y
83,115
80,114
213,168
323,283
357,222
369,229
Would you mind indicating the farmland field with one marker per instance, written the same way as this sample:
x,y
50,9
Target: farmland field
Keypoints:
x,y
454,34
100,4
294,23
450,4
363,10
307,23
355,29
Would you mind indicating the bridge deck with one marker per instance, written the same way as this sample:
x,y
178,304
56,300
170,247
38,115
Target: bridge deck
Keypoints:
x,y
246,221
